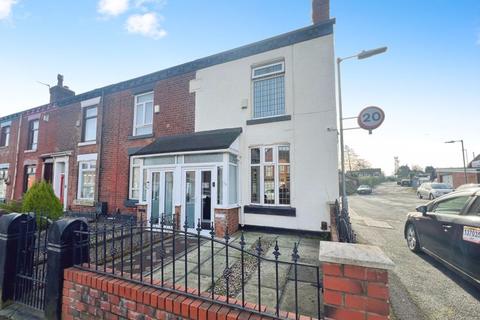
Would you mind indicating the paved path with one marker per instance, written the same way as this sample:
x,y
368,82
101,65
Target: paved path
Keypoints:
x,y
307,276
421,288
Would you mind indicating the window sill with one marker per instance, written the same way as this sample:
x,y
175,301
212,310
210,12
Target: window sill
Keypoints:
x,y
30,151
84,202
143,136
87,143
129,203
270,210
269,119
3,147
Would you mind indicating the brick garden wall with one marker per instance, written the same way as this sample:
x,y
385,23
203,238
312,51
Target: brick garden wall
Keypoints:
x,y
355,293
88,295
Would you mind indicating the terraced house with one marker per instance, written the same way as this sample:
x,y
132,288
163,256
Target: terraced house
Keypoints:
x,y
236,138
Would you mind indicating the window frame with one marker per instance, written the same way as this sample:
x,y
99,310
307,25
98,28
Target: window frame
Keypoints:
x,y
276,164
267,76
141,187
3,181
136,105
80,178
84,122
31,144
5,136
26,175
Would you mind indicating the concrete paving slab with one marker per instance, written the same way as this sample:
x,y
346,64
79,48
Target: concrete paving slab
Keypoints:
x,y
307,298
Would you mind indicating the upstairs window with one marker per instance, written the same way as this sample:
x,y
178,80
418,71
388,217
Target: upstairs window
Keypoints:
x,y
33,135
269,90
270,175
143,117
5,136
89,132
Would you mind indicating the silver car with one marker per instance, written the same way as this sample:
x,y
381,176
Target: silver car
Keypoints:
x,y
432,190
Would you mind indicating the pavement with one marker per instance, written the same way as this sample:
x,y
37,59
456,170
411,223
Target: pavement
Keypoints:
x,y
420,287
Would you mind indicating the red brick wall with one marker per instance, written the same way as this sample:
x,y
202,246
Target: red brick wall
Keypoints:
x,y
352,292
87,295
177,115
459,178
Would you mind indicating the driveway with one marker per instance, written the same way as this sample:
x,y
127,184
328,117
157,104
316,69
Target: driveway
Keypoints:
x,y
421,288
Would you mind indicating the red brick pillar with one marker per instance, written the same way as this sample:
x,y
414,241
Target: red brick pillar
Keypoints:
x,y
226,219
355,281
142,213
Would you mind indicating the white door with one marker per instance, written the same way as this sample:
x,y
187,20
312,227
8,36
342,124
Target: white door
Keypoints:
x,y
160,196
60,179
199,194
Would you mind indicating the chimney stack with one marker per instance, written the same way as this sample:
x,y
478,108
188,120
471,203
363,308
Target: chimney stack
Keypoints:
x,y
320,11
60,91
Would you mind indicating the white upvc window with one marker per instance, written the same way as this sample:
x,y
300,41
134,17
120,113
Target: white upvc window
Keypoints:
x,y
135,179
268,85
270,175
86,179
3,183
143,114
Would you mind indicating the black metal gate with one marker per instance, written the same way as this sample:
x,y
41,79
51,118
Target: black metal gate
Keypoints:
x,y
30,278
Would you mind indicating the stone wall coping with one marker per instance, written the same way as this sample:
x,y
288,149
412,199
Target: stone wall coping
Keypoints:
x,y
354,254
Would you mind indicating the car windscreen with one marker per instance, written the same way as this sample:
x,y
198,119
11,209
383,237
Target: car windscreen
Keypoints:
x,y
441,186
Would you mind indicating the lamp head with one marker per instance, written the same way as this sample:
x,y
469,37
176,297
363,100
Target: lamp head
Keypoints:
x,y
368,53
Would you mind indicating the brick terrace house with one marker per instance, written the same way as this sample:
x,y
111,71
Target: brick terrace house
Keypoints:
x,y
239,137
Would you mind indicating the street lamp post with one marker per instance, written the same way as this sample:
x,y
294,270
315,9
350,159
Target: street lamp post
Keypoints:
x,y
362,55
463,155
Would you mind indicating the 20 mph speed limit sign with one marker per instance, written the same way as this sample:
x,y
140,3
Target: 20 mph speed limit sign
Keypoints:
x,y
371,118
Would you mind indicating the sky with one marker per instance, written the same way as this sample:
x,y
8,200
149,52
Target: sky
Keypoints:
x,y
428,82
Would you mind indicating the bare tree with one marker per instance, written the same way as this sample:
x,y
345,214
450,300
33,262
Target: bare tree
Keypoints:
x,y
353,160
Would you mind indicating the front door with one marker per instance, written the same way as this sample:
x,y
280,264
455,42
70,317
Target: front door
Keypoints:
x,y
60,183
161,197
199,192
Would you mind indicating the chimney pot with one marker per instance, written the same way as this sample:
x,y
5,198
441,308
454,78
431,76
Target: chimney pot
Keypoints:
x,y
59,80
320,11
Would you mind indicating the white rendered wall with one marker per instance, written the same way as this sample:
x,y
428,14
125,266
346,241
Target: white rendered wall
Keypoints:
x,y
309,99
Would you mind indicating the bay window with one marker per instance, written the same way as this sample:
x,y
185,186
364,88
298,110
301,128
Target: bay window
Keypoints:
x,y
86,180
270,175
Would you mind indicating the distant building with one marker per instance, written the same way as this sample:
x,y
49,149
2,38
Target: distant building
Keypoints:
x,y
456,176
367,172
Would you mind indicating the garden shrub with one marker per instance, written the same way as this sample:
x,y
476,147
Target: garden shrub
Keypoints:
x,y
41,199
11,206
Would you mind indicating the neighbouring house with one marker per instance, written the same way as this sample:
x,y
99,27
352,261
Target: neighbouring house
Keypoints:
x,y
456,176
236,138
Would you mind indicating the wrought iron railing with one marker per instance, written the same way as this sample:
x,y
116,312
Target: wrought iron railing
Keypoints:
x,y
30,278
173,259
344,226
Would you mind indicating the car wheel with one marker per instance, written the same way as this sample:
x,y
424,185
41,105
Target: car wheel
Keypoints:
x,y
412,238
430,197
419,195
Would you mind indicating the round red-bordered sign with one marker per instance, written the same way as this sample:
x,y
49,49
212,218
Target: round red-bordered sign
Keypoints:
x,y
371,118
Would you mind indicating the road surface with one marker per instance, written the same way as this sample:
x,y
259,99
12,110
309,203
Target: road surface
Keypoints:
x,y
421,288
